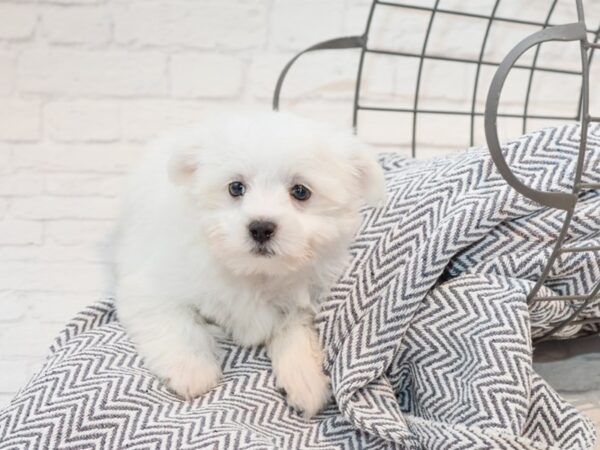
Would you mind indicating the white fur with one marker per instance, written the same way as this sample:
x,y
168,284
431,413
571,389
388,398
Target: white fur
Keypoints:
x,y
185,256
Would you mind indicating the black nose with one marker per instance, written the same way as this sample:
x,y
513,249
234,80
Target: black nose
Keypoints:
x,y
261,230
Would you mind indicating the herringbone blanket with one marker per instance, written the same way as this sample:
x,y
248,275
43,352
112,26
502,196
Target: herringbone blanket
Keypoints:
x,y
427,334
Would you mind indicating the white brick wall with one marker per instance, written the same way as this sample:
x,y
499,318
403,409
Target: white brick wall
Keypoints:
x,y
72,71
206,76
85,83
20,120
18,21
88,25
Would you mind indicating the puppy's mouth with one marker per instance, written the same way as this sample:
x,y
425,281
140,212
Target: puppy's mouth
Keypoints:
x,y
263,250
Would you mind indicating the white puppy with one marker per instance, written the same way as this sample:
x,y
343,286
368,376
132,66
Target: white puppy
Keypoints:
x,y
240,223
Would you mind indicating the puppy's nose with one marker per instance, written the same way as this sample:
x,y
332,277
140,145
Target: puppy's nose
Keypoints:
x,y
261,230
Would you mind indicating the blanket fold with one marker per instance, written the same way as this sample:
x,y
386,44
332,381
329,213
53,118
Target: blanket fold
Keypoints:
x,y
427,334
444,208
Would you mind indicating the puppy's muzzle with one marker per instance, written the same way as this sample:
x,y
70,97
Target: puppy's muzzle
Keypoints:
x,y
262,231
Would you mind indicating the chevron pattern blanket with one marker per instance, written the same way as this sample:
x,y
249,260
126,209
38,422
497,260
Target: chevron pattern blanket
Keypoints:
x,y
427,333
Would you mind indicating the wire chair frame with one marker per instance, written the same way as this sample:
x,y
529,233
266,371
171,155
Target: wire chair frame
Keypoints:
x,y
567,202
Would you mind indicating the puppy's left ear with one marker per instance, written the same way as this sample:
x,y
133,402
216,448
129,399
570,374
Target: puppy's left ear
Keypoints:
x,y
366,170
183,164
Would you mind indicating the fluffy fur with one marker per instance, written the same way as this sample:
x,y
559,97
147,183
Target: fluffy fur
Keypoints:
x,y
186,260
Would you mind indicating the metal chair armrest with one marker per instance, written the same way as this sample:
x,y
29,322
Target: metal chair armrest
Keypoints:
x,y
331,44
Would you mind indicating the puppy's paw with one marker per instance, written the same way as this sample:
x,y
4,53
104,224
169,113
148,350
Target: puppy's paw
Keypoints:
x,y
304,384
191,377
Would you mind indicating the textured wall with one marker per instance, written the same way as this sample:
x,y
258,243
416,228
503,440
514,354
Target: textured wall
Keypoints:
x,y
84,83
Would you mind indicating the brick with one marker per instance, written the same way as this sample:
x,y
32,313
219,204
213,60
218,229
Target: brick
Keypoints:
x,y
546,98
325,75
25,253
394,29
52,253
265,70
21,184
82,121
20,232
31,339
337,114
384,128
77,25
18,21
3,208
13,307
77,233
44,207
7,72
76,71
84,185
355,18
5,159
51,307
297,25
146,119
5,398
15,373
73,2
19,120
59,277
208,24
380,74
81,158
212,76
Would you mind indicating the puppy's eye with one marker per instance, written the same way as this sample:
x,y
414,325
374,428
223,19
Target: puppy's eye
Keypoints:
x,y
237,189
300,192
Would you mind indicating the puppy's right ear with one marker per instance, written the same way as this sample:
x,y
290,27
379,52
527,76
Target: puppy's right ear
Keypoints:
x,y
183,165
366,171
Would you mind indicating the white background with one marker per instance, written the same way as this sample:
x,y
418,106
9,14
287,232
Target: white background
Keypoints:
x,y
85,83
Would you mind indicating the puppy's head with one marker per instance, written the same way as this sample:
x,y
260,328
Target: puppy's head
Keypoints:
x,y
273,192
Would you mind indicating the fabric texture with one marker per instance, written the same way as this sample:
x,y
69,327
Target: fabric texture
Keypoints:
x,y
427,334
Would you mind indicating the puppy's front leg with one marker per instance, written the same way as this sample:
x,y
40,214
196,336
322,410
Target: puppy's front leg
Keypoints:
x,y
297,358
175,344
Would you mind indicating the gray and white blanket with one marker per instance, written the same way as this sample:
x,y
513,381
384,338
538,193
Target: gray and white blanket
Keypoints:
x,y
427,334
